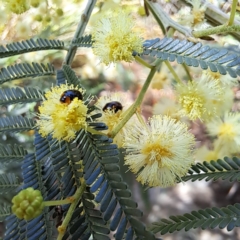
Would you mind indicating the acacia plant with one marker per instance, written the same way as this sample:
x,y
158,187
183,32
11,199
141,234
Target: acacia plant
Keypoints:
x,y
72,187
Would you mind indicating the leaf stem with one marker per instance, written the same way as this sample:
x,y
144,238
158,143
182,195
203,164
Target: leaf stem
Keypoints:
x,y
233,11
216,30
173,72
58,202
138,101
78,194
93,131
142,62
187,71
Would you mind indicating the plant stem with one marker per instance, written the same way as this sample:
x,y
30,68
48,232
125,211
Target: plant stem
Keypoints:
x,y
138,101
93,131
78,194
173,72
187,71
232,14
216,30
216,16
79,32
141,120
58,202
164,20
142,62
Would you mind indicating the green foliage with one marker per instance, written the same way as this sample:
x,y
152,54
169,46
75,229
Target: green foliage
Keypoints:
x,y
8,183
18,95
195,55
5,210
30,45
85,41
58,169
227,169
206,218
24,70
16,124
11,152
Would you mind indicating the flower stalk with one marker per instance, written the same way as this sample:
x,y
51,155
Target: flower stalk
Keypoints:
x,y
142,62
138,101
216,30
77,196
233,11
173,72
58,202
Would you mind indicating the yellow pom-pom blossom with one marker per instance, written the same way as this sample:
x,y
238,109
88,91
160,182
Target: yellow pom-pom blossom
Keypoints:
x,y
223,80
194,17
227,129
62,120
199,99
159,153
17,6
112,116
204,154
115,39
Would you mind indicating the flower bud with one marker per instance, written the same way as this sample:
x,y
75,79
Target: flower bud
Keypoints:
x,y
27,204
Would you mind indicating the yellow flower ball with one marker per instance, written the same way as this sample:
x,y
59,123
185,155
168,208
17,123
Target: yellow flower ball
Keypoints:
x,y
115,39
63,113
17,6
160,153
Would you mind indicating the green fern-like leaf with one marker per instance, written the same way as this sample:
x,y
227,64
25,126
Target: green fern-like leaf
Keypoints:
x,y
11,152
207,218
101,172
24,70
183,51
41,226
5,211
8,183
227,169
85,41
69,76
56,169
30,45
16,124
18,95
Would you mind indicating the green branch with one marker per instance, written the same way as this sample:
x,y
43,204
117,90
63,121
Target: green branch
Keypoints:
x,y
79,32
165,21
138,101
173,72
233,11
216,30
77,196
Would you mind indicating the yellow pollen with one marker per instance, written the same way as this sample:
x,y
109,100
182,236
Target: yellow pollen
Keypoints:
x,y
112,119
214,75
226,130
212,155
155,152
193,105
198,16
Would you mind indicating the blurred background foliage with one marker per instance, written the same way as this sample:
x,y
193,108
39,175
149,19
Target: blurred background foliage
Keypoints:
x,y
57,19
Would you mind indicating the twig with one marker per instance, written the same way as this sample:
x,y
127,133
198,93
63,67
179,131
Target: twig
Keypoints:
x,y
138,101
77,196
232,14
164,20
217,17
173,72
79,32
216,30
